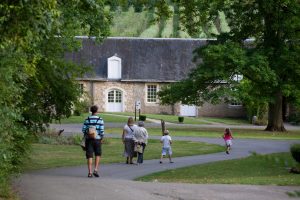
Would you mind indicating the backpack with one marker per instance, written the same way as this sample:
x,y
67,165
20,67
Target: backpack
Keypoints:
x,y
92,131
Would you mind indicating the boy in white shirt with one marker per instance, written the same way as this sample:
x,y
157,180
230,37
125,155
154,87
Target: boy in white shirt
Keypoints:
x,y
166,140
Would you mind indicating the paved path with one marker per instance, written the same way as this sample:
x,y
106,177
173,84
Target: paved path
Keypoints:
x,y
116,179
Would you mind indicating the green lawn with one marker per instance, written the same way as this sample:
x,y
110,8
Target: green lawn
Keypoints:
x,y
122,117
106,117
255,170
217,133
228,121
49,156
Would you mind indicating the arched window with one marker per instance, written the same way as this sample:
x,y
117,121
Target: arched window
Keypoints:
x,y
115,96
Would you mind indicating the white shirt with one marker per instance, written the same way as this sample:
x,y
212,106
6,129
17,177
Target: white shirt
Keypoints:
x,y
129,130
166,139
140,135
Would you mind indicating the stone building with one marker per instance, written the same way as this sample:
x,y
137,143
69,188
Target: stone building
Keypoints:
x,y
127,71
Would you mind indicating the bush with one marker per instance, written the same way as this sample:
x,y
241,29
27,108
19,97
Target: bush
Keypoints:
x,y
77,112
142,118
180,119
294,118
81,107
295,151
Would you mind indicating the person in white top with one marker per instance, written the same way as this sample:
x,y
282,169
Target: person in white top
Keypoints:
x,y
140,137
166,140
127,138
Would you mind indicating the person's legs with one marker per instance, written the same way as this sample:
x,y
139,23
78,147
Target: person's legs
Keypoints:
x,y
170,155
98,152
97,161
130,159
90,164
227,149
163,153
89,156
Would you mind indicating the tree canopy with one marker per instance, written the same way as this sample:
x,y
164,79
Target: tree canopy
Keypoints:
x,y
269,61
36,84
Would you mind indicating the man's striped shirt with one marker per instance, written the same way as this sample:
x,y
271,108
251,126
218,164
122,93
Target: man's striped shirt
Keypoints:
x,y
94,120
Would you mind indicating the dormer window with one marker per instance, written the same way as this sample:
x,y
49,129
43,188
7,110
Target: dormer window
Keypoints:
x,y
114,67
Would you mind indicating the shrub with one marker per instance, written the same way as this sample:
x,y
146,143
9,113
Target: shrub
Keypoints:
x,y
77,112
81,107
180,119
142,118
294,118
295,151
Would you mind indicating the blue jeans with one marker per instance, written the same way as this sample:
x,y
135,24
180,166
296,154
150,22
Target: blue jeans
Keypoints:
x,y
140,156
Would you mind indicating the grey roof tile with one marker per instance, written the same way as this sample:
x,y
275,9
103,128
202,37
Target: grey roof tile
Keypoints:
x,y
143,59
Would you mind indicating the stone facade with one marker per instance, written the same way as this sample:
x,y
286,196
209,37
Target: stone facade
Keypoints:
x,y
221,110
98,92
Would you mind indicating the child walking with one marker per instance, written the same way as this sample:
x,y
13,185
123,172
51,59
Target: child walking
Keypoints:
x,y
228,139
166,140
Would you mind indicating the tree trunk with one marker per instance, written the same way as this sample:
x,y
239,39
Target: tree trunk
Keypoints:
x,y
275,121
163,126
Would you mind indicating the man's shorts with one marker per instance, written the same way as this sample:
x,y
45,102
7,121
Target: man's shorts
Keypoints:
x,y
166,150
93,146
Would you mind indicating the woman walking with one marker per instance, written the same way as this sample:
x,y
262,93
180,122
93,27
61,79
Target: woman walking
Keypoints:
x,y
127,139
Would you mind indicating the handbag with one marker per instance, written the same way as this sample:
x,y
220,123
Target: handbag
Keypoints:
x,y
138,148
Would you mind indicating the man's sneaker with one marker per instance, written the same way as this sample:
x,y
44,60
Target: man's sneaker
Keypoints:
x,y
95,173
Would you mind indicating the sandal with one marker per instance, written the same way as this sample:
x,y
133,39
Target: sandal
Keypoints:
x,y
95,173
90,175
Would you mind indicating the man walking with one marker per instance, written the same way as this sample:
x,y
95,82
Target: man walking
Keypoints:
x,y
93,130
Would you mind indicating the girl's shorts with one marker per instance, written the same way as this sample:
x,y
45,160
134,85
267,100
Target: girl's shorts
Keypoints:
x,y
166,150
228,142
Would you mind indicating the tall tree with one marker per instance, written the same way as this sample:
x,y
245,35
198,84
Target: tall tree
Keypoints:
x,y
33,74
270,62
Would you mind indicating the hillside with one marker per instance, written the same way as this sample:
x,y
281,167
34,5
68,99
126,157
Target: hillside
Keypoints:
x,y
141,24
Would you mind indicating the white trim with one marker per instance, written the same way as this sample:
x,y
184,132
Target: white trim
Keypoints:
x,y
123,92
114,67
146,93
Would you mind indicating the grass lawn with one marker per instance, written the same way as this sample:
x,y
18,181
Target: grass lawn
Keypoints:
x,y
48,156
228,121
122,117
106,117
191,120
216,133
270,169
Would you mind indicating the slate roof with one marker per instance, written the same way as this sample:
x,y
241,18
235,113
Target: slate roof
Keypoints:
x,y
143,59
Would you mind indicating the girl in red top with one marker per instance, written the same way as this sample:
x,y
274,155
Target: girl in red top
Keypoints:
x,y
228,139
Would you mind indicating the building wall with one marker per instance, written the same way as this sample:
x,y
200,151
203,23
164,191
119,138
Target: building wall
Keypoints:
x,y
137,92
131,92
221,110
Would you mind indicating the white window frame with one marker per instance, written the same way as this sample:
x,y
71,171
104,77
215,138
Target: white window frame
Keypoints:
x,y
114,67
235,104
152,96
116,96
